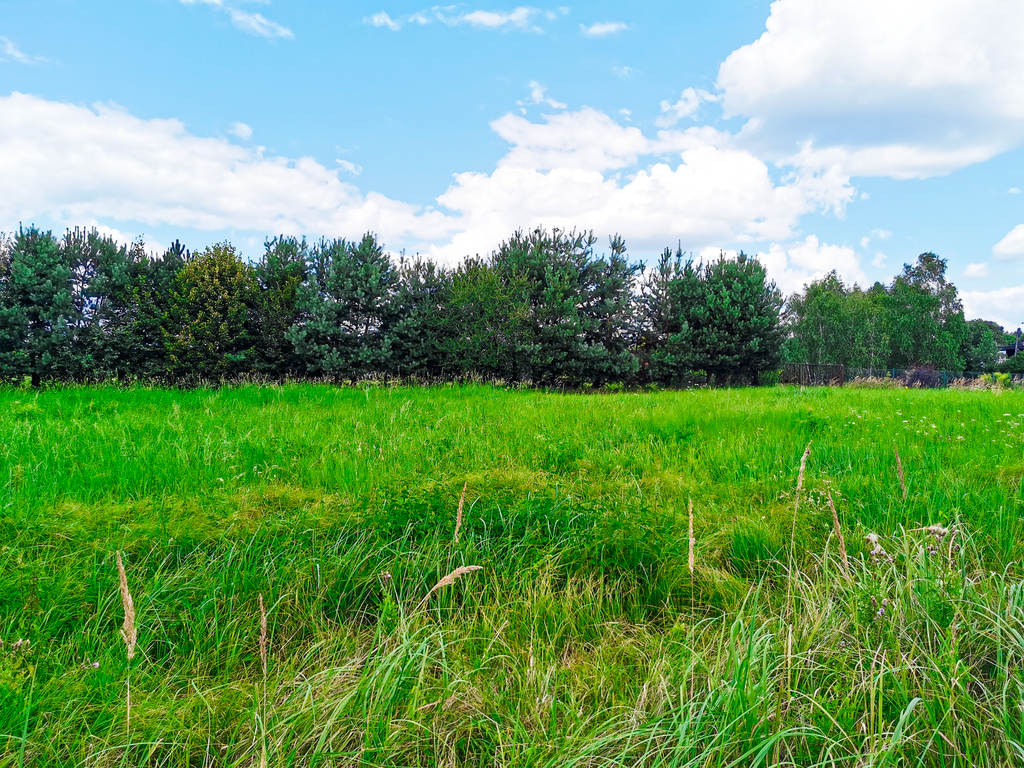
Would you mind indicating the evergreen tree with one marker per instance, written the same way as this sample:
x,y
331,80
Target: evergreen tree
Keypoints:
x,y
421,327
487,328
346,309
209,329
579,308
730,318
37,312
280,273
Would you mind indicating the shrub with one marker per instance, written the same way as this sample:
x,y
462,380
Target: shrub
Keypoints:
x,y
923,377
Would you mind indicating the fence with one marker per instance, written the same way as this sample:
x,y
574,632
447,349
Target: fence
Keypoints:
x,y
810,374
814,374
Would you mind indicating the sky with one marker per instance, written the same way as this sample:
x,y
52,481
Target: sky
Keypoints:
x,y
818,134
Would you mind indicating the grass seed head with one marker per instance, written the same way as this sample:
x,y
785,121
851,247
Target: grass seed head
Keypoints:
x,y
452,577
129,633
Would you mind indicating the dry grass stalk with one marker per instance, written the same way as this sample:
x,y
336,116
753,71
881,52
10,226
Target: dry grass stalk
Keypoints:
x,y
800,477
263,636
458,515
129,633
899,471
792,534
693,541
839,535
450,579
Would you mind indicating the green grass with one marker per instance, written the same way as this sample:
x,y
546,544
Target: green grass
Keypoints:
x,y
584,641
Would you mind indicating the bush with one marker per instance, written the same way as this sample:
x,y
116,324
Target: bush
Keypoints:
x,y
923,377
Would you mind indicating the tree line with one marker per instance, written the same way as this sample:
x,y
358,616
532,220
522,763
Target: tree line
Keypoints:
x,y
917,320
545,307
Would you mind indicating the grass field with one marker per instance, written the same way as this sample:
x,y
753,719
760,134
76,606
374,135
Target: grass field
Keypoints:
x,y
584,640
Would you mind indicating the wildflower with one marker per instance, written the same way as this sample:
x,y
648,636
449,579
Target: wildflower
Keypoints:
x,y
877,553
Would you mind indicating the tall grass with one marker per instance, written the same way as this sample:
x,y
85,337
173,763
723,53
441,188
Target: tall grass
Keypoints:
x,y
609,624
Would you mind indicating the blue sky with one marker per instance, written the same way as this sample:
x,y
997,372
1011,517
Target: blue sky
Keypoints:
x,y
819,134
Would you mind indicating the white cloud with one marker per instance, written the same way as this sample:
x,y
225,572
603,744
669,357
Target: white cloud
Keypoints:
x,y
1013,191
625,71
1011,246
521,18
350,167
1004,305
241,130
79,164
555,175
976,270
578,169
884,88
879,260
793,266
11,52
383,20
537,96
257,24
880,234
687,106
603,28
253,23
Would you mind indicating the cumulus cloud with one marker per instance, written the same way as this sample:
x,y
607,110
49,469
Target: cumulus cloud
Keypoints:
x,y
9,51
976,271
882,88
1011,246
793,266
253,23
603,28
1004,305
578,168
80,164
557,174
523,18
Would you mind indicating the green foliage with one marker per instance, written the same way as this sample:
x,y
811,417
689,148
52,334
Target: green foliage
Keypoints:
x,y
422,325
544,308
1013,364
346,309
210,325
979,347
487,323
729,318
38,317
924,317
578,310
280,273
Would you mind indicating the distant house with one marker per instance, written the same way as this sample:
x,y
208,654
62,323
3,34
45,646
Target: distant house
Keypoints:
x,y
1010,350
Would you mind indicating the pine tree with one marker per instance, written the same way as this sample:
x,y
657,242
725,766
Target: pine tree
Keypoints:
x,y
37,314
346,309
209,329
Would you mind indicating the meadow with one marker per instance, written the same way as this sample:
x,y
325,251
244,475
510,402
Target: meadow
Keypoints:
x,y
282,545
